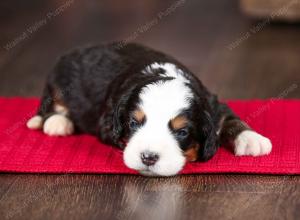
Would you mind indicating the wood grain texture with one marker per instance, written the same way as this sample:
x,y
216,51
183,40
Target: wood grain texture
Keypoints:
x,y
137,197
233,56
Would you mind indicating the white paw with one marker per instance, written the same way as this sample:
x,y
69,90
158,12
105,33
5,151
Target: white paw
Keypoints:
x,y
36,122
251,143
58,125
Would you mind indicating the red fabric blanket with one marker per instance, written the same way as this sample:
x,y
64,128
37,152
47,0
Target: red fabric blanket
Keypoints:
x,y
23,150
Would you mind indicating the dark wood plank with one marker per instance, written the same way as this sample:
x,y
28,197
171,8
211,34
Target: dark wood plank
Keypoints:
x,y
136,197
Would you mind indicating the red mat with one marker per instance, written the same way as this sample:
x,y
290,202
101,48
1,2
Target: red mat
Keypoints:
x,y
22,150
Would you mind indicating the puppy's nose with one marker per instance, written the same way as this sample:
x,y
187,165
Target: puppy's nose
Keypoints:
x,y
149,158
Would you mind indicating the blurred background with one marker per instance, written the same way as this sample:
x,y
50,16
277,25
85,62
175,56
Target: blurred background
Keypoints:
x,y
239,49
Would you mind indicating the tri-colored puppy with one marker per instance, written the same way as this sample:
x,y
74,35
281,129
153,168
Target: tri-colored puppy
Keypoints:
x,y
144,102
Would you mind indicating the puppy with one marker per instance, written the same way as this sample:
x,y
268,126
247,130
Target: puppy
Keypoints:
x,y
144,102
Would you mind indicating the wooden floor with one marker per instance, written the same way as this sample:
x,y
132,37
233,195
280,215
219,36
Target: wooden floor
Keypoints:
x,y
233,55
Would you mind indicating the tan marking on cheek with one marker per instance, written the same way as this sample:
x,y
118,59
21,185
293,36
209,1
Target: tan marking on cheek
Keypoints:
x,y
139,115
179,122
192,153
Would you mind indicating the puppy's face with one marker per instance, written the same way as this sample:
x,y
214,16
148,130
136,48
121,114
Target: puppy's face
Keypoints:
x,y
159,131
164,129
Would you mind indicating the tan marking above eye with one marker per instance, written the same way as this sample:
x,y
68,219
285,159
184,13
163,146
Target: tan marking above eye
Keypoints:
x,y
191,153
139,115
179,122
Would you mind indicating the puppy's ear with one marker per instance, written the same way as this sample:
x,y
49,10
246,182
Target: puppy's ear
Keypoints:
x,y
209,138
111,125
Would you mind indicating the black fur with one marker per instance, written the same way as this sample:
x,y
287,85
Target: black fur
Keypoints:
x,y
100,87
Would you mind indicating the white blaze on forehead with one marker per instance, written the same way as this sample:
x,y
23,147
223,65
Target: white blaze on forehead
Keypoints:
x,y
164,100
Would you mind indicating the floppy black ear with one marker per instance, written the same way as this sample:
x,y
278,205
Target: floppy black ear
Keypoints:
x,y
111,125
209,138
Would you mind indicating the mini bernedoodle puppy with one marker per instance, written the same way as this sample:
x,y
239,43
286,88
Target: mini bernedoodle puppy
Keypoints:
x,y
144,102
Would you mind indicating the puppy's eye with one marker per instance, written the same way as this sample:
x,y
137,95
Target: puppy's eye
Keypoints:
x,y
134,124
182,133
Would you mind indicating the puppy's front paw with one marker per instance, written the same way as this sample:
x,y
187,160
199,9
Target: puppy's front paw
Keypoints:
x,y
251,143
36,122
58,125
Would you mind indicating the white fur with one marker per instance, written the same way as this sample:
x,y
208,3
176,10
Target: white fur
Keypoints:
x,y
160,102
60,109
252,143
36,122
58,125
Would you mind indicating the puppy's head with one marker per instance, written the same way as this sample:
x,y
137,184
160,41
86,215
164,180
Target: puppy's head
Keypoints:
x,y
164,124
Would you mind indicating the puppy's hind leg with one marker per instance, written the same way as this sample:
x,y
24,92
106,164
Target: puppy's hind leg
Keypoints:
x,y
58,122
36,122
58,125
52,116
